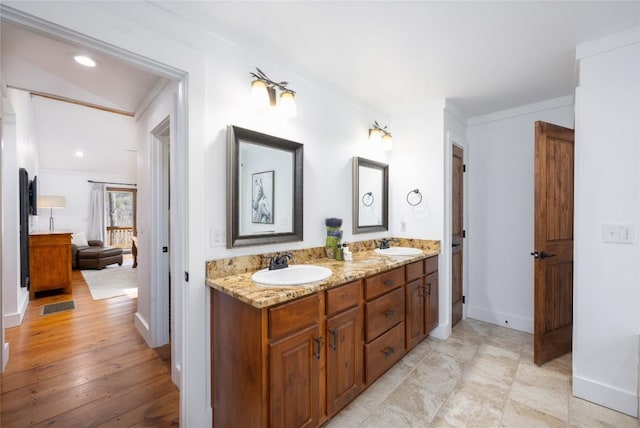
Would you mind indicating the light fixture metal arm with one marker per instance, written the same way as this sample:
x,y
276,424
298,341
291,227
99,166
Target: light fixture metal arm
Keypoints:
x,y
263,77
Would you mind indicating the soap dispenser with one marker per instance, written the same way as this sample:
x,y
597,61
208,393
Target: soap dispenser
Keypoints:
x,y
346,253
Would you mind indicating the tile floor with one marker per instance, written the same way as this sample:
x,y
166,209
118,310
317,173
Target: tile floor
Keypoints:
x,y
482,376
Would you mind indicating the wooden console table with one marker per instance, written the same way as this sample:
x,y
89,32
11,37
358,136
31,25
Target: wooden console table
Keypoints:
x,y
49,261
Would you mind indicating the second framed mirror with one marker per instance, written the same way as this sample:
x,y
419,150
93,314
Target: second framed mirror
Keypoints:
x,y
370,196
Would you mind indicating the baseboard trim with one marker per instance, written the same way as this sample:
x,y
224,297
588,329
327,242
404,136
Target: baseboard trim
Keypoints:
x,y
5,356
14,319
442,331
143,328
497,318
606,395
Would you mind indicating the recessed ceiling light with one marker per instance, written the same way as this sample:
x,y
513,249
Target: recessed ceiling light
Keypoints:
x,y
85,60
79,153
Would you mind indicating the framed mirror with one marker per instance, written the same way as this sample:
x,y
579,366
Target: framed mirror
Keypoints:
x,y
370,196
264,195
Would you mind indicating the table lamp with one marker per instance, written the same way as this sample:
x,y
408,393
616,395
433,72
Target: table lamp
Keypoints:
x,y
51,202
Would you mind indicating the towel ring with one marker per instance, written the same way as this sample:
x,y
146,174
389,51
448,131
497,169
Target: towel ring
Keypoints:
x,y
367,199
413,202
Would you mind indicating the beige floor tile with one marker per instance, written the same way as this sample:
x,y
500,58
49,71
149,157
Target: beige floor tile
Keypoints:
x,y
464,409
437,373
388,415
518,415
585,414
541,389
484,390
413,403
495,363
462,350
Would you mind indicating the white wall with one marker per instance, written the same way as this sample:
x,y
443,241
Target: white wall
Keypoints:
x,y
19,151
607,276
74,186
500,159
159,109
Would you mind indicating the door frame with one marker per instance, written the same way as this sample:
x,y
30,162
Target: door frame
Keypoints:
x,y
160,235
444,327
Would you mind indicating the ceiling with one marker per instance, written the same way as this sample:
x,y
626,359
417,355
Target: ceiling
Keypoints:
x,y
483,56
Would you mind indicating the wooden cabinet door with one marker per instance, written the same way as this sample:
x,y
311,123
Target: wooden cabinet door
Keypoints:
x,y
295,385
415,313
431,306
344,359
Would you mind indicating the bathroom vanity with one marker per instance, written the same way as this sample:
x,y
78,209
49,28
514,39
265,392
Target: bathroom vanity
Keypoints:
x,y
295,356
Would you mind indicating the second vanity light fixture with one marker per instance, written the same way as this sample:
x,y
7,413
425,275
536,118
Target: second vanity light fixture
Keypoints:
x,y
379,135
263,93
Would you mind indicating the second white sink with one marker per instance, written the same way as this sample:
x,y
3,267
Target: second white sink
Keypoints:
x,y
292,275
399,251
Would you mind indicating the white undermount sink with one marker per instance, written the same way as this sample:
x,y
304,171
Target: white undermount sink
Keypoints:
x,y
399,251
292,275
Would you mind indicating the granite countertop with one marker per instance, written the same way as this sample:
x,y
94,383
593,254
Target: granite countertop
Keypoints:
x,y
365,263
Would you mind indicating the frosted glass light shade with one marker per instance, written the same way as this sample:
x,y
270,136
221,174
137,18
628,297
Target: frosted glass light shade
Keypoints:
x,y
259,94
288,105
387,142
48,201
375,136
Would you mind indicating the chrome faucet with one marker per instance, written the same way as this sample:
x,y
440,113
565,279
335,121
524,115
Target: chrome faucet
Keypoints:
x,y
384,242
279,261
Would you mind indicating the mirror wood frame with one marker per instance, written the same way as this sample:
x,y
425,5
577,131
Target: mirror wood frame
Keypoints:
x,y
235,135
357,163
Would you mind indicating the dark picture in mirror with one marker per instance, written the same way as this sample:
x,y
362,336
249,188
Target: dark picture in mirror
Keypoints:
x,y
262,197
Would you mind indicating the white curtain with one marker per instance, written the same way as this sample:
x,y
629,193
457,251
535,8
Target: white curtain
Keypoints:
x,y
96,213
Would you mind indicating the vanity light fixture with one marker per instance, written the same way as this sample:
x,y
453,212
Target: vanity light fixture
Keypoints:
x,y
263,93
379,135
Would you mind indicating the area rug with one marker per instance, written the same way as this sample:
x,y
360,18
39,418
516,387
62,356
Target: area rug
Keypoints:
x,y
112,281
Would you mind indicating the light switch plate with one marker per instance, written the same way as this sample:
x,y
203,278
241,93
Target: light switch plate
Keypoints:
x,y
618,233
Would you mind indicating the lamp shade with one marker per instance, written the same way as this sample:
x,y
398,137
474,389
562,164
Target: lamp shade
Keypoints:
x,y
288,105
387,142
259,94
49,201
375,135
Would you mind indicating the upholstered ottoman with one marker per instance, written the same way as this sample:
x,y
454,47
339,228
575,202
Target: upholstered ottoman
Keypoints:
x,y
98,257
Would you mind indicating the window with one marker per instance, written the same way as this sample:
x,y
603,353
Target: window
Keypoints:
x,y
120,216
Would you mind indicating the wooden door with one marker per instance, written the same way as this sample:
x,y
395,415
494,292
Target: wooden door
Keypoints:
x,y
457,233
415,313
295,385
553,271
344,359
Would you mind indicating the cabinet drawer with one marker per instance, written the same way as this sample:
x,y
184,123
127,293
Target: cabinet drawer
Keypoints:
x,y
431,265
384,352
415,270
383,313
293,316
343,297
382,283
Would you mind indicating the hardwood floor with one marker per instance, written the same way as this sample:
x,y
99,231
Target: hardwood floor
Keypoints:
x,y
85,367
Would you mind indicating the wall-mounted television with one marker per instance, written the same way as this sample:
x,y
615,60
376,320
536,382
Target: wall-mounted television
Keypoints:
x,y
33,196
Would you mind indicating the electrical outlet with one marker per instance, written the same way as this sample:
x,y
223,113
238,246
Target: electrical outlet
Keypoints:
x,y
403,225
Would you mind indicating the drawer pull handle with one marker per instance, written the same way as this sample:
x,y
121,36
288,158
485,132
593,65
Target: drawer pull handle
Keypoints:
x,y
334,336
429,292
422,291
388,351
389,313
318,341
388,282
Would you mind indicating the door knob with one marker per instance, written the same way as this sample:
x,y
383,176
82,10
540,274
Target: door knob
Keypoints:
x,y
535,254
